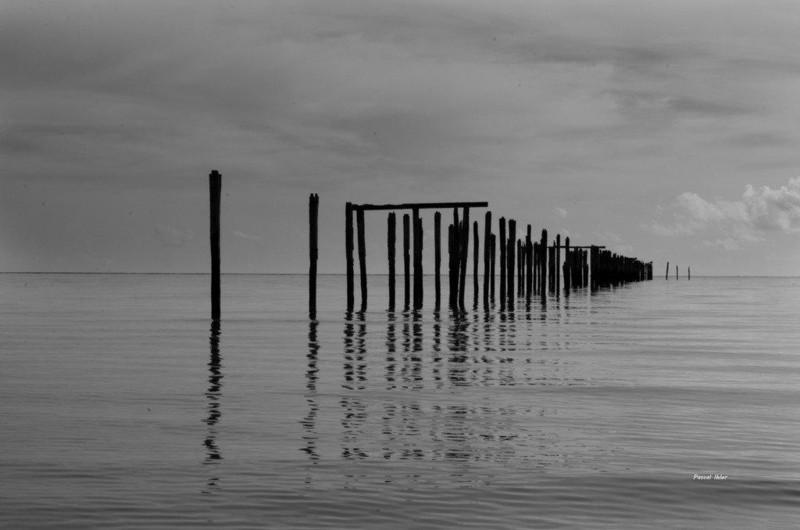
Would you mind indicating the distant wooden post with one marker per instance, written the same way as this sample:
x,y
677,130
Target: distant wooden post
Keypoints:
x,y
676,272
551,271
528,263
406,261
313,210
487,256
391,236
689,273
502,244
558,262
475,243
437,257
348,249
667,271
215,194
362,257
543,263
510,253
464,256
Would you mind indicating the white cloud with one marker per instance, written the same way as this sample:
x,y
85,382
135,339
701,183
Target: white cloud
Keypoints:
x,y
747,220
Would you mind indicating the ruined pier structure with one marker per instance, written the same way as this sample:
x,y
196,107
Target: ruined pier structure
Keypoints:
x,y
534,267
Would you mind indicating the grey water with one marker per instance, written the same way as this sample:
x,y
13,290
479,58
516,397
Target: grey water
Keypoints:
x,y
123,407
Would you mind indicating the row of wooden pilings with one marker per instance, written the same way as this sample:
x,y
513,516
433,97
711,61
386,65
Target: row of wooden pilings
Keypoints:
x,y
526,267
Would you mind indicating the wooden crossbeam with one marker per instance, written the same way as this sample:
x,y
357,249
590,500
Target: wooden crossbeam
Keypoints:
x,y
421,205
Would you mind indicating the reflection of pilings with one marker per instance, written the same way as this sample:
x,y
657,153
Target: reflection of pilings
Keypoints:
x,y
214,395
309,422
391,349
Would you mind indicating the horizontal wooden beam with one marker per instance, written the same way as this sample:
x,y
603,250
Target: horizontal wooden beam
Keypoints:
x,y
573,247
421,205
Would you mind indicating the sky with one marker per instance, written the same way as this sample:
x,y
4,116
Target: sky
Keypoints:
x,y
667,131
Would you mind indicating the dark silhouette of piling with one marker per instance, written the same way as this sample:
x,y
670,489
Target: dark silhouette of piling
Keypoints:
x,y
391,236
417,259
215,194
551,269
313,253
487,256
492,261
528,263
567,271
406,261
451,239
437,257
510,253
543,263
464,256
689,273
502,244
558,262
676,272
362,257
667,271
475,245
348,249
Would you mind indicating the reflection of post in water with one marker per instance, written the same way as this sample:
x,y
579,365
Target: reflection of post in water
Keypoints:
x,y
355,379
214,394
391,349
349,349
437,348
309,422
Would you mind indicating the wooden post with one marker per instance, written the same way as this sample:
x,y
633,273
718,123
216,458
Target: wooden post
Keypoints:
x,y
667,270
476,244
558,262
528,263
502,244
456,257
313,210
362,257
406,262
543,263
452,270
492,261
551,271
437,257
215,194
348,250
676,272
391,237
510,252
464,257
417,258
487,256
566,267
689,272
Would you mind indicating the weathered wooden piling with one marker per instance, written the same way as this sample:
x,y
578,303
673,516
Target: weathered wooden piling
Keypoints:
x,y
667,277
417,227
406,261
558,262
502,244
313,253
551,269
362,257
528,262
464,258
475,244
567,272
451,250
348,250
437,257
487,255
215,195
391,229
689,273
492,261
543,263
512,241
520,269
676,272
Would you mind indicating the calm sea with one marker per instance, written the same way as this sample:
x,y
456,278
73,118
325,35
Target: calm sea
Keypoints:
x,y
122,407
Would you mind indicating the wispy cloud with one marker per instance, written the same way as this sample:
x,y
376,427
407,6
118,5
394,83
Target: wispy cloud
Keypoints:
x,y
759,211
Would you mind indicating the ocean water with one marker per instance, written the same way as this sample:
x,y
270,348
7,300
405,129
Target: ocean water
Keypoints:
x,y
123,407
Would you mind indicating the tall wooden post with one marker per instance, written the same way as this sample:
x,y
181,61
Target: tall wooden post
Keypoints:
x,y
453,299
558,262
510,255
543,263
502,244
406,262
551,270
667,271
417,257
362,257
348,250
313,211
492,261
391,236
528,263
475,245
464,257
487,256
437,257
567,268
215,194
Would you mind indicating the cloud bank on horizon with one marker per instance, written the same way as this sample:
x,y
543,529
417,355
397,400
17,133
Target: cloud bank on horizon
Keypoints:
x,y
577,116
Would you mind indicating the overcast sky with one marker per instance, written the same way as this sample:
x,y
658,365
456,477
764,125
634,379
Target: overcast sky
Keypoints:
x,y
664,130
